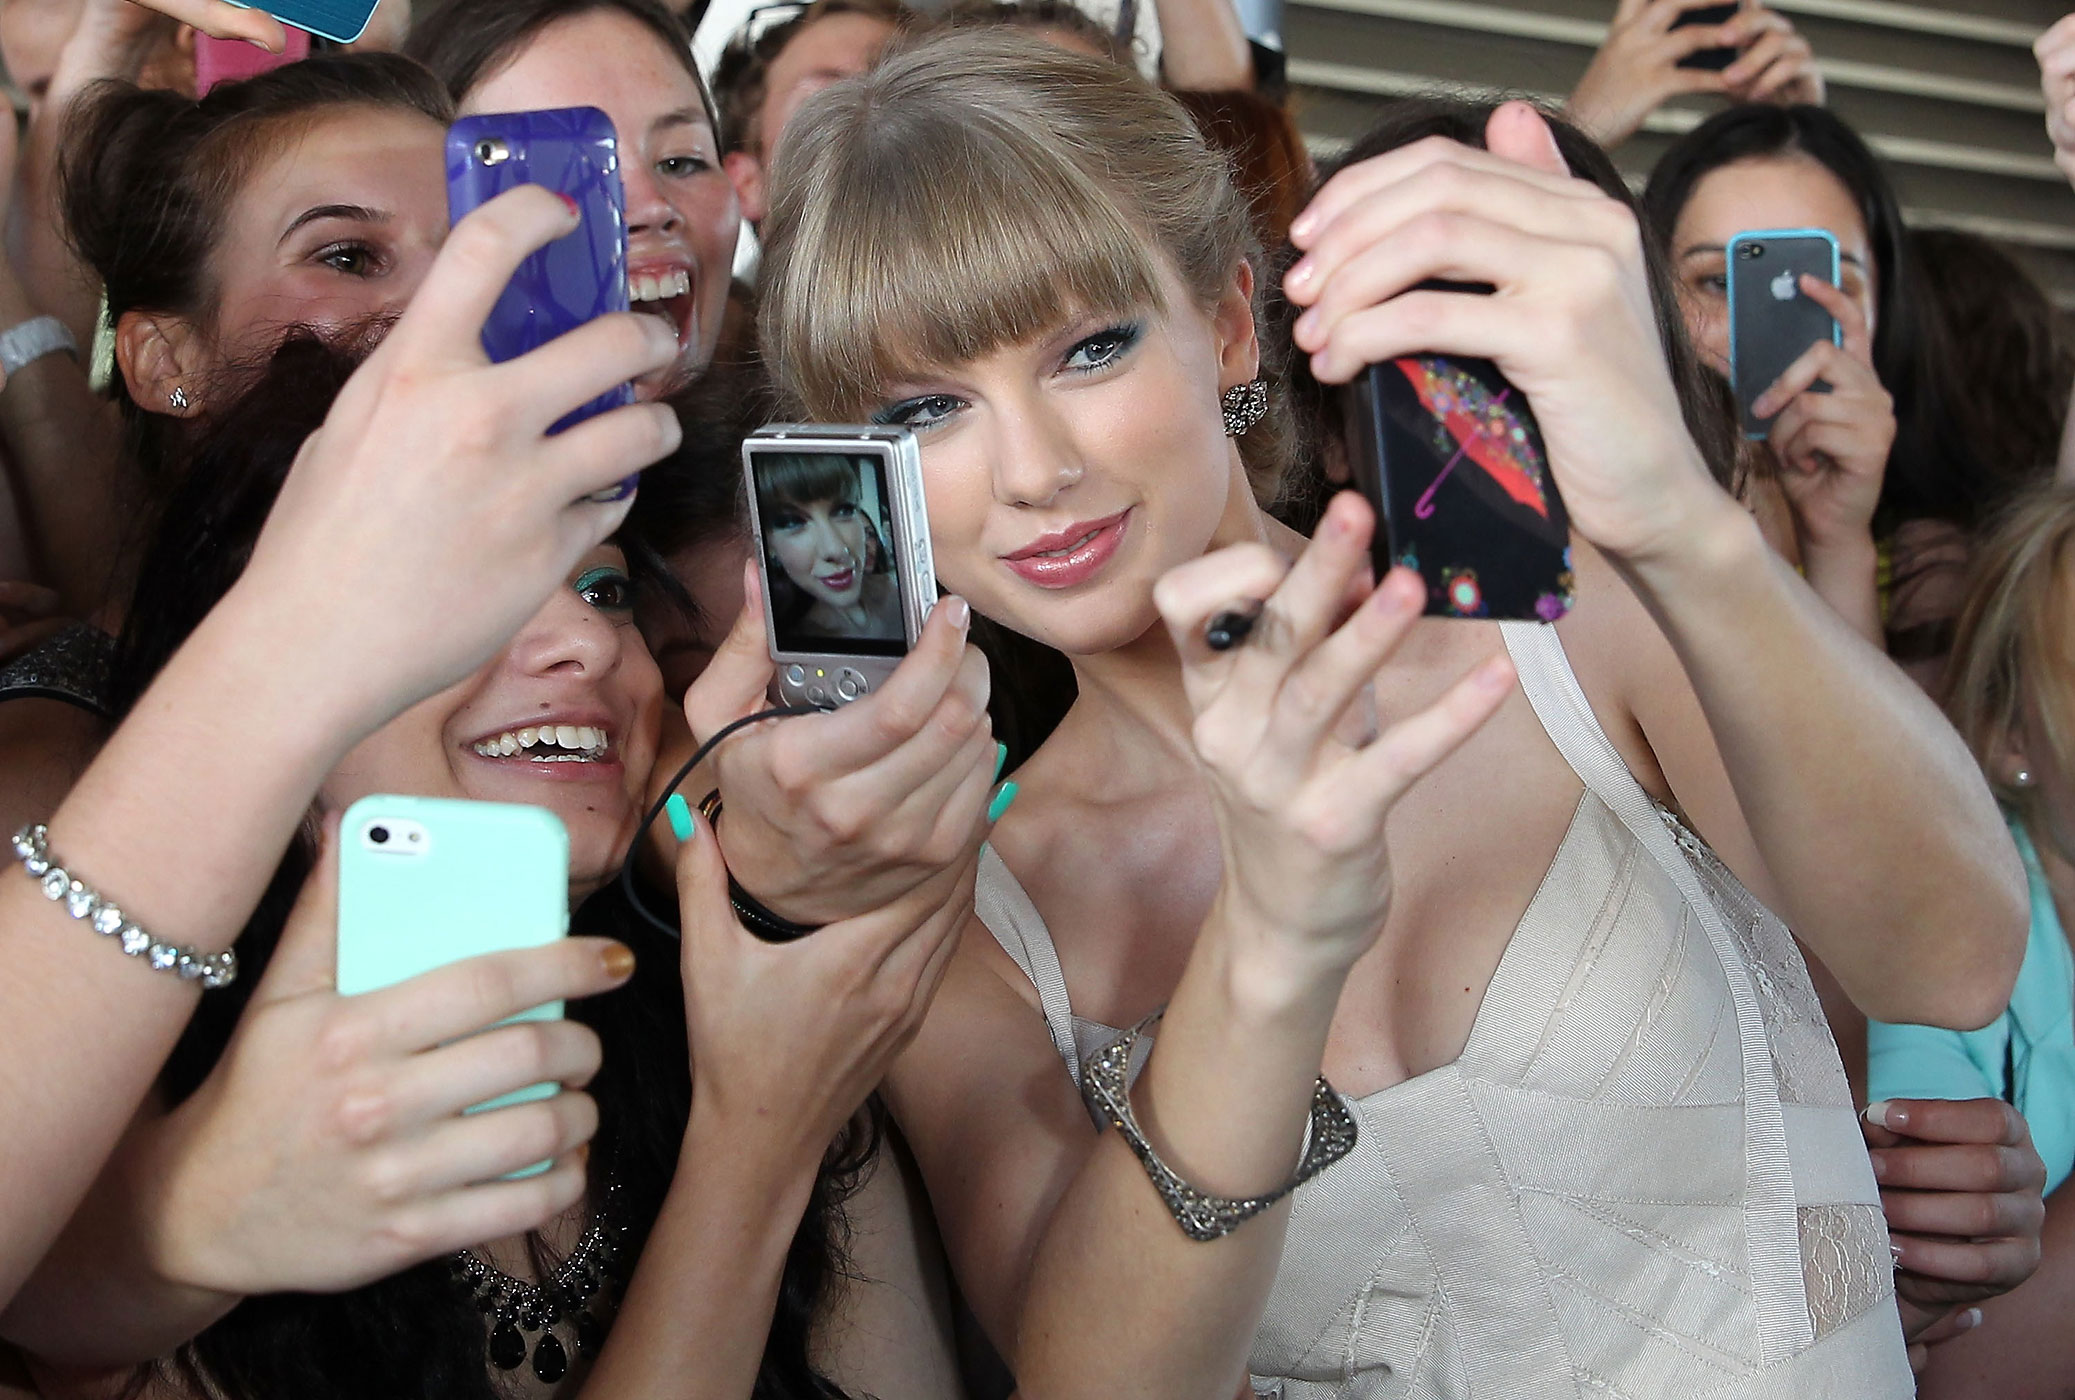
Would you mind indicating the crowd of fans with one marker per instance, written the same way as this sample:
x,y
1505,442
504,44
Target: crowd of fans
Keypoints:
x,y
1676,999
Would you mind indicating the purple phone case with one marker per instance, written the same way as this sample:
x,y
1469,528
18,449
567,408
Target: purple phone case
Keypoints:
x,y
576,278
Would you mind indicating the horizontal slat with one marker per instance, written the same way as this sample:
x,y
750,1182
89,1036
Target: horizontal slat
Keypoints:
x,y
1587,33
1981,29
1676,121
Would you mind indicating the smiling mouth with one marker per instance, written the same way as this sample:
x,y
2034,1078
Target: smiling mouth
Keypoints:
x,y
667,296
836,583
549,743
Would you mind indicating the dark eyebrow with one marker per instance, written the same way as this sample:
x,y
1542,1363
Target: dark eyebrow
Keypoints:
x,y
1853,258
358,213
683,116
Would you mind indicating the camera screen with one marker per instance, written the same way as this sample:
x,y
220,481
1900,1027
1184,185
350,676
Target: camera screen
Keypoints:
x,y
828,558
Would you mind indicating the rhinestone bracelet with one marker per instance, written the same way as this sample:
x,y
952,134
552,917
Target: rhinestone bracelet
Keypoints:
x,y
212,970
1106,1084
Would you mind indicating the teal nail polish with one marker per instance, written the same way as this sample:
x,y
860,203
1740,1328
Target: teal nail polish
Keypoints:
x,y
1002,798
680,813
1001,758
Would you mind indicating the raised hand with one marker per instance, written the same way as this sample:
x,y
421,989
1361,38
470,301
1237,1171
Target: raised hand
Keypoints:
x,y
1571,322
787,1039
1300,800
1832,447
1776,65
1636,70
828,816
431,514
222,20
329,1147
2055,50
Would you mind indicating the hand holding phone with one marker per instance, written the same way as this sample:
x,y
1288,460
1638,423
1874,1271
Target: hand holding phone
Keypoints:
x,y
328,1146
1771,322
1712,60
842,541
578,277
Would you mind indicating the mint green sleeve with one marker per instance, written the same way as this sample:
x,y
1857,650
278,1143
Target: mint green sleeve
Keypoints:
x,y
1923,1062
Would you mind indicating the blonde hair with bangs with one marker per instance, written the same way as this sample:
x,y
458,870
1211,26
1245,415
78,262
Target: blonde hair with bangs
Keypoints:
x,y
975,192
2016,636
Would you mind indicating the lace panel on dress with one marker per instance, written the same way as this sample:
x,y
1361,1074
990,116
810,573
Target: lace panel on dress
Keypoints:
x,y
1844,1263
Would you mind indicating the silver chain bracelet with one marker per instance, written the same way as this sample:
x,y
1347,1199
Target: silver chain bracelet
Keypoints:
x,y
60,886
1106,1085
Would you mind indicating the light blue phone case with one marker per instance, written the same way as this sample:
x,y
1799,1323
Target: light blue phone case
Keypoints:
x,y
1780,355
452,880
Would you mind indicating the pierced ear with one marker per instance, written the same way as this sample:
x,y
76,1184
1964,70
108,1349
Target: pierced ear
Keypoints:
x,y
2008,758
159,357
746,174
1239,340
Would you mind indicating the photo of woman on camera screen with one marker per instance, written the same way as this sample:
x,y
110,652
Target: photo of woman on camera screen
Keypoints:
x,y
824,535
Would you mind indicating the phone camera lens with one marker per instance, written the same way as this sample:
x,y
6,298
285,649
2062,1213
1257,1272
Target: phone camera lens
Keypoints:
x,y
491,151
379,835
1754,250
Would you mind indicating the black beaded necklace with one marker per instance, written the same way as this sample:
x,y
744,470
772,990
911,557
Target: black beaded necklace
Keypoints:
x,y
593,1271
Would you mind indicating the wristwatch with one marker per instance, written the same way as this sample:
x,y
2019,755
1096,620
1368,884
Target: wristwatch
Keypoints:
x,y
30,341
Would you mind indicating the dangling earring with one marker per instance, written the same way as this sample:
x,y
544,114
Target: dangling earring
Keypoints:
x,y
178,398
1244,405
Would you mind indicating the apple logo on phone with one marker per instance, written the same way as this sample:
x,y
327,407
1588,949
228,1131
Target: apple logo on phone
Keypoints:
x,y
1783,287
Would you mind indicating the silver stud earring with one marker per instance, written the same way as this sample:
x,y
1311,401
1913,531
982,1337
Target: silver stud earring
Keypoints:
x,y
178,398
1244,405
2023,778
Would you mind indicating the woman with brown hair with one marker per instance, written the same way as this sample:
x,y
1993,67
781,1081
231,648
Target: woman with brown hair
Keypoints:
x,y
1602,1135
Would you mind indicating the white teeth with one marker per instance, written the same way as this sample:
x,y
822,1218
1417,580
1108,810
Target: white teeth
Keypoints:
x,y
558,743
670,284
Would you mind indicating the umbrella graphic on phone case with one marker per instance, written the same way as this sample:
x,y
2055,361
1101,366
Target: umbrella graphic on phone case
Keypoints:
x,y
1486,435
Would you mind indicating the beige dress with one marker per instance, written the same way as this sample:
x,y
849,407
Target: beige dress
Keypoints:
x,y
1643,1178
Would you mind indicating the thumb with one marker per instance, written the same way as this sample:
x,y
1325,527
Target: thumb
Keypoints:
x,y
1518,132
306,958
735,681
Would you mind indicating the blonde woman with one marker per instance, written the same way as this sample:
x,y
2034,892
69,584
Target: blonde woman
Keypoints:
x,y
2011,692
1602,1138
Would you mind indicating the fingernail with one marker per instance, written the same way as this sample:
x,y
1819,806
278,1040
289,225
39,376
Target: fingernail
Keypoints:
x,y
1968,1320
1003,796
575,212
1895,1250
1306,327
961,612
1880,1164
1301,274
618,959
1886,1113
680,813
1001,758
1495,674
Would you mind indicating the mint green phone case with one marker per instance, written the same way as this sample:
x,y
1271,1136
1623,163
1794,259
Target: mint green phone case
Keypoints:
x,y
453,880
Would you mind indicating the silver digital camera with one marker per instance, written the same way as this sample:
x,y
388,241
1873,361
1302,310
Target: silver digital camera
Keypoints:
x,y
842,541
